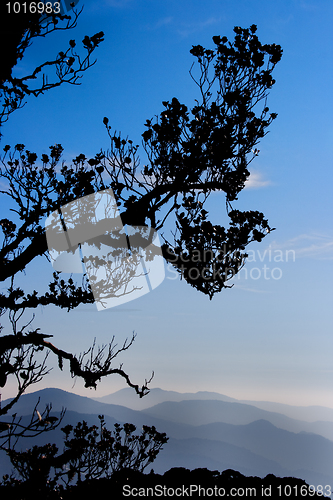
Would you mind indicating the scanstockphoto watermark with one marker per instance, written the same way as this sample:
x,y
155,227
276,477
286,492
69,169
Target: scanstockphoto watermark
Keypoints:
x,y
183,491
279,491
206,265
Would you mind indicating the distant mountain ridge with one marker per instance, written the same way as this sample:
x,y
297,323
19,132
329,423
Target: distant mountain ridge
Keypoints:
x,y
126,397
185,412
207,433
196,412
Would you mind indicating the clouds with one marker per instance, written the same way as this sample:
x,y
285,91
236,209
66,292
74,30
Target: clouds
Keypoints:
x,y
183,28
257,181
314,246
165,21
187,29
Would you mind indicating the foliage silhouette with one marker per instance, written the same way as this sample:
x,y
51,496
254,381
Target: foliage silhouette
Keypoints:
x,y
88,454
18,31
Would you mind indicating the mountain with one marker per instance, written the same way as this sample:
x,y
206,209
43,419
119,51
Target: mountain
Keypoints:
x,y
193,412
315,419
199,412
60,399
127,397
269,442
307,413
215,434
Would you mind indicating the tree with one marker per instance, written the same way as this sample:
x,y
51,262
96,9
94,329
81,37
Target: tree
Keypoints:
x,y
18,31
190,154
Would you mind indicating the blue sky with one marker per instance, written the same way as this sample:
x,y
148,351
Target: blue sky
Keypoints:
x,y
270,336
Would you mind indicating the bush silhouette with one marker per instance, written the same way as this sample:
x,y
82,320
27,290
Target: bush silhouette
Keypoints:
x,y
89,453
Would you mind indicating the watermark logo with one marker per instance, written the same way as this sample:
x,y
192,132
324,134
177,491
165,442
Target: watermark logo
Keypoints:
x,y
209,265
121,263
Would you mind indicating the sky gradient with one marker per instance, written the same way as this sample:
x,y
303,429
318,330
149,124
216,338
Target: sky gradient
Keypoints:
x,y
270,336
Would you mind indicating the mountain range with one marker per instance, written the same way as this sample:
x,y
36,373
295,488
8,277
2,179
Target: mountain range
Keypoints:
x,y
127,397
206,430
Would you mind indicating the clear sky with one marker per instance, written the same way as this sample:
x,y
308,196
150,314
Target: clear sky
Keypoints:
x,y
270,336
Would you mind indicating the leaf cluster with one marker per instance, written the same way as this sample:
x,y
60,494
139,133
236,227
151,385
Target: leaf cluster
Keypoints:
x,y
90,452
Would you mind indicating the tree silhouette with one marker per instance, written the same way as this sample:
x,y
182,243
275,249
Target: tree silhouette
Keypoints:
x,y
190,153
18,31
